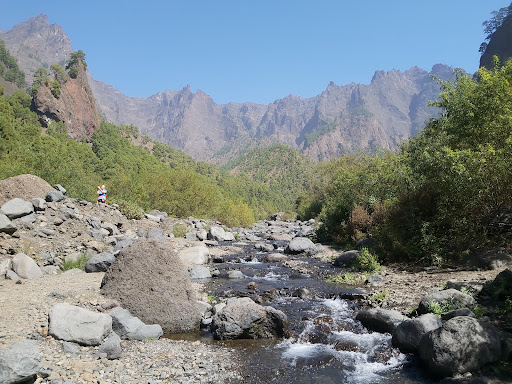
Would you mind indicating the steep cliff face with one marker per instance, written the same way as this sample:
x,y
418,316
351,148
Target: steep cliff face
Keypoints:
x,y
500,44
75,106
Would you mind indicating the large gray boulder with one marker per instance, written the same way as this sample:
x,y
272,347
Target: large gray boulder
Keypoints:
x,y
19,362
199,272
6,226
408,333
25,267
380,320
130,327
449,298
242,318
17,207
111,347
194,255
463,344
149,280
54,196
216,233
71,323
299,245
346,259
100,262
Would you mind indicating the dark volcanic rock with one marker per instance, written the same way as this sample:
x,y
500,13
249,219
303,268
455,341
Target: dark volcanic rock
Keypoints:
x,y
149,280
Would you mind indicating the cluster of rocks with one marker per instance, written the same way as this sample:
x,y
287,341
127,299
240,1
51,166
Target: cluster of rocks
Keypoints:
x,y
448,344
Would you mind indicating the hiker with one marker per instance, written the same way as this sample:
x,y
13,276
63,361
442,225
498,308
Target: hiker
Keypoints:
x,y
102,194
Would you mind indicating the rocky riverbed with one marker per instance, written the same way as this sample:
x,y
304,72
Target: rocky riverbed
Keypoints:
x,y
273,262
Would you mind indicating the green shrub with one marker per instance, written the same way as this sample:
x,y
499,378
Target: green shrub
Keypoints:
x,y
179,230
367,262
130,209
348,278
438,308
79,263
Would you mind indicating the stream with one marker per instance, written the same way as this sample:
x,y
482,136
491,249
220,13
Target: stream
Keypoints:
x,y
326,344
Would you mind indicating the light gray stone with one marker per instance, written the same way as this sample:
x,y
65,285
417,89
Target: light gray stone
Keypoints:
x,y
452,298
130,327
194,255
156,219
39,204
111,347
20,362
156,234
11,275
235,274
17,207
6,226
299,245
275,258
216,233
242,318
71,323
25,267
5,265
199,272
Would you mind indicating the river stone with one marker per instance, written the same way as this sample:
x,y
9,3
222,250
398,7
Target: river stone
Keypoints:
x,y
6,225
149,280
457,312
216,233
20,362
100,262
299,245
17,207
199,272
380,320
463,344
25,267
130,327
242,318
39,204
275,258
346,259
111,347
71,323
5,265
202,235
28,219
408,333
54,196
194,255
455,299
236,274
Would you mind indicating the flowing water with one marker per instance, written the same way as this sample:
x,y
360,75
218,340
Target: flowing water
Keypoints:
x,y
326,343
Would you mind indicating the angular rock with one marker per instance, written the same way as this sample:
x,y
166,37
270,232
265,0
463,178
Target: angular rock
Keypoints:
x,y
25,267
235,274
54,196
39,204
71,323
450,298
202,235
275,258
111,228
242,318
299,245
457,312
408,333
130,327
11,275
100,262
123,244
28,219
111,347
229,236
380,320
148,279
5,265
20,362
463,344
155,234
17,207
194,255
6,226
216,233
199,272
346,259
60,188
156,219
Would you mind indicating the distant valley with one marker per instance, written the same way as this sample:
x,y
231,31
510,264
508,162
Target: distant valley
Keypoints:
x,y
342,119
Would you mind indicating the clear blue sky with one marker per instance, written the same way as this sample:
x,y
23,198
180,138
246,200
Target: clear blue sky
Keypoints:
x,y
260,50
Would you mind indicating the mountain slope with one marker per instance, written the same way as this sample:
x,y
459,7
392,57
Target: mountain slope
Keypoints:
x,y
342,119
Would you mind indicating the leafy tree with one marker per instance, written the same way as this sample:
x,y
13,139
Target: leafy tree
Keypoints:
x,y
59,73
492,25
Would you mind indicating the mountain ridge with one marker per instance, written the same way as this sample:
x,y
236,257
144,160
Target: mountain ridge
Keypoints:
x,y
341,119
